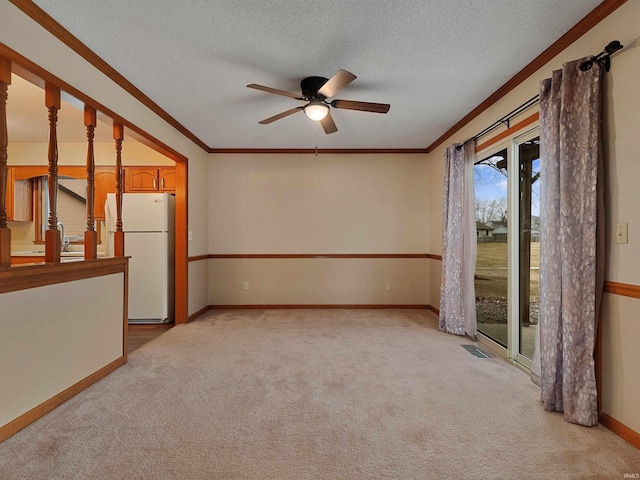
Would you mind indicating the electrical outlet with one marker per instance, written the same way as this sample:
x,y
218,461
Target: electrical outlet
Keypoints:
x,y
622,233
388,286
246,285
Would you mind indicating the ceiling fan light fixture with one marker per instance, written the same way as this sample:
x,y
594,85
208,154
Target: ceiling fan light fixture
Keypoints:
x,y
316,111
316,91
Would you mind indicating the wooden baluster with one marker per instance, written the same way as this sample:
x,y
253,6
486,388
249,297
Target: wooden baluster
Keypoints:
x,y
90,236
118,236
53,242
5,232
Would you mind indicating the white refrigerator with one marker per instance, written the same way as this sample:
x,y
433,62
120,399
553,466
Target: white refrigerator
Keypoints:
x,y
148,222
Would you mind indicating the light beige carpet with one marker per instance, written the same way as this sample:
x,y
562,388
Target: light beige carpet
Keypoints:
x,y
311,394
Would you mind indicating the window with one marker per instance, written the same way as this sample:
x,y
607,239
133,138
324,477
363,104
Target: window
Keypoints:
x,y
71,208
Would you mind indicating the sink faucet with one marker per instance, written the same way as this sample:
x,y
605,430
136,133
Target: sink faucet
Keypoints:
x,y
64,244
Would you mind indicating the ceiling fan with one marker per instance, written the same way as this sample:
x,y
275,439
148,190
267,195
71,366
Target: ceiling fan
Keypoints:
x,y
316,91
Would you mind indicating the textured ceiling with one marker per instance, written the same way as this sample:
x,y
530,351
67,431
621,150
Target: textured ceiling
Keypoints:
x,y
433,61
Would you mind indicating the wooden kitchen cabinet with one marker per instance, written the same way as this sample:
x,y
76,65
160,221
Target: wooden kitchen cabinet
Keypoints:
x,y
167,177
140,179
105,182
19,201
149,179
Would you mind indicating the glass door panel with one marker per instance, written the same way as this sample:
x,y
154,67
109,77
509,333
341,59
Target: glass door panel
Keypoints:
x,y
491,274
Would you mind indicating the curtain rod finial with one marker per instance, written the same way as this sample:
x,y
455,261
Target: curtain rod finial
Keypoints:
x,y
613,47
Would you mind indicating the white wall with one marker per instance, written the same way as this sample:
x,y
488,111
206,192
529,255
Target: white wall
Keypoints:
x,y
329,204
25,36
622,124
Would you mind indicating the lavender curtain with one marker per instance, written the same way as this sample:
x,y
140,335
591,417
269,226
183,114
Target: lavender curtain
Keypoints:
x,y
457,291
571,240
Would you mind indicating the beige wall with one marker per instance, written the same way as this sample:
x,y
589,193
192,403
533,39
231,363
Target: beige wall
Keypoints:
x,y
339,204
316,281
40,346
133,153
621,333
198,290
326,204
25,36
620,344
435,186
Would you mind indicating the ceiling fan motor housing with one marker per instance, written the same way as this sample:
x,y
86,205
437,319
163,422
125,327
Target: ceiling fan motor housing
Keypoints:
x,y
310,87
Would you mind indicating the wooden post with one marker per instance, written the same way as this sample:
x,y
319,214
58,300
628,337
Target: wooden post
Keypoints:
x,y
53,242
181,228
90,236
5,232
118,235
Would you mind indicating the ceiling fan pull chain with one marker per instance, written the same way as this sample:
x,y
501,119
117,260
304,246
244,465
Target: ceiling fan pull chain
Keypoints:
x,y
316,144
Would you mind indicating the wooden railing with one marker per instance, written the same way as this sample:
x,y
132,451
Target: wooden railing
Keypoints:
x,y
118,236
90,236
53,240
5,233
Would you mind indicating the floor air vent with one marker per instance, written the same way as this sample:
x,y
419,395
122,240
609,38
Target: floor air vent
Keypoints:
x,y
473,350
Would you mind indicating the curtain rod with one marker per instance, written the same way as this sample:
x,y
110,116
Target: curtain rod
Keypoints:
x,y
603,58
502,121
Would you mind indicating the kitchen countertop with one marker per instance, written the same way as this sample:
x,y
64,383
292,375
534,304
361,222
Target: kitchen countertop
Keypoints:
x,y
40,253
36,257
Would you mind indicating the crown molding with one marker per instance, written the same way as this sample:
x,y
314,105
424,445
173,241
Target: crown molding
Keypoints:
x,y
317,255
313,151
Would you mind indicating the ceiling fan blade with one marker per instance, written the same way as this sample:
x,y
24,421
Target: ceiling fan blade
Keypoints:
x,y
362,106
328,124
336,83
275,90
266,121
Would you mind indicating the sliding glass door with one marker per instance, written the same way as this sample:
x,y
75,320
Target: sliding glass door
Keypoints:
x,y
507,179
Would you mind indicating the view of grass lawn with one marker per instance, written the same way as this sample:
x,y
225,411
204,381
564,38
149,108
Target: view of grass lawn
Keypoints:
x,y
491,288
494,254
491,270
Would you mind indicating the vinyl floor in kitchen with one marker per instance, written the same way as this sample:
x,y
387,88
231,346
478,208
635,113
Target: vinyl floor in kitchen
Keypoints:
x,y
141,334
